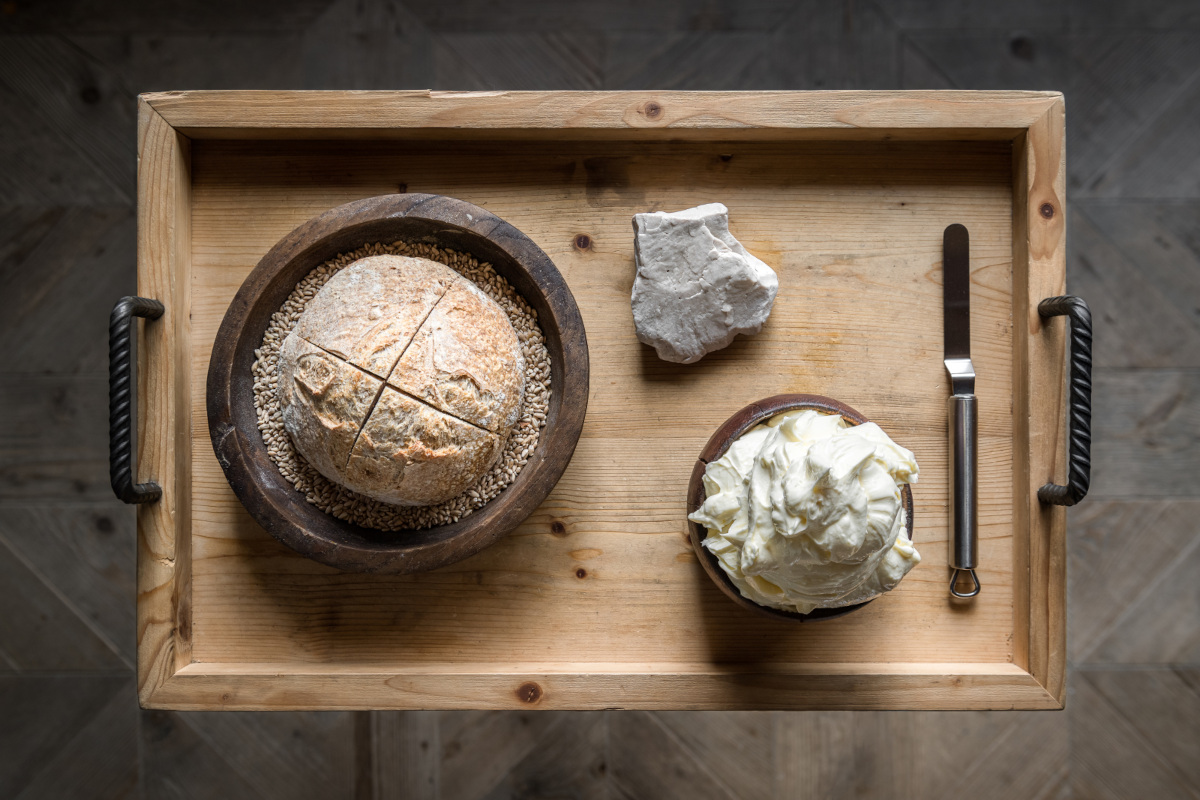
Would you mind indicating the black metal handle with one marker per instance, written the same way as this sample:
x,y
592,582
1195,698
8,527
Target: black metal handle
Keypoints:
x,y
1079,404
120,399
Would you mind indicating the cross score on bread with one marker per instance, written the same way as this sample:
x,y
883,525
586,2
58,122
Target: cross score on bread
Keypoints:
x,y
401,380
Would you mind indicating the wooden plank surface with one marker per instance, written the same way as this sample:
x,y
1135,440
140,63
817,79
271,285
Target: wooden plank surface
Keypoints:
x,y
706,115
68,735
855,233
53,443
1135,265
70,572
404,753
1142,733
62,268
1039,228
545,686
140,46
1132,599
1114,82
920,755
164,443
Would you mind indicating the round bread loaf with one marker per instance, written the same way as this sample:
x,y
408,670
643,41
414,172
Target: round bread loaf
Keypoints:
x,y
401,380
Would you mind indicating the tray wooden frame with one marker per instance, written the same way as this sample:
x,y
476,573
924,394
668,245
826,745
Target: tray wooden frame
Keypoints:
x,y
168,123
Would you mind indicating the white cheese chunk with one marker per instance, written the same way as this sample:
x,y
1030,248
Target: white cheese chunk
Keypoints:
x,y
696,286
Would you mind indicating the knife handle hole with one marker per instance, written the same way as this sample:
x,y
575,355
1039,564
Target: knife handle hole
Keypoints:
x,y
1047,210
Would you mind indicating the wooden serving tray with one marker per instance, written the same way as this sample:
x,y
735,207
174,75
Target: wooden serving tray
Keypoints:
x,y
597,600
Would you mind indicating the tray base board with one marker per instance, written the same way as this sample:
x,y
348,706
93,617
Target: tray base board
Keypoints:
x,y
597,600
603,572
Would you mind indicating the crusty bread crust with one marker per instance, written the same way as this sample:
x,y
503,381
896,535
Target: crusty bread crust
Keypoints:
x,y
368,312
325,402
466,360
455,370
411,454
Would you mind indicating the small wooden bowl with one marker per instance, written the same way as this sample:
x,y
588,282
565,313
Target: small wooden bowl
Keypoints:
x,y
734,427
446,222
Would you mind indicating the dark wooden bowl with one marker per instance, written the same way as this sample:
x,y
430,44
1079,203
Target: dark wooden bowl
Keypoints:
x,y
734,427
446,222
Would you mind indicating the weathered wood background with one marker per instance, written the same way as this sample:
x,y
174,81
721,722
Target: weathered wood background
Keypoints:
x,y
69,724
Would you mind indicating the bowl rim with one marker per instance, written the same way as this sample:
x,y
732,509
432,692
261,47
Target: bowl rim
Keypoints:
x,y
283,511
740,422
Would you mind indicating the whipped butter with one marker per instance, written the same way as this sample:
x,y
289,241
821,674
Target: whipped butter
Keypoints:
x,y
805,512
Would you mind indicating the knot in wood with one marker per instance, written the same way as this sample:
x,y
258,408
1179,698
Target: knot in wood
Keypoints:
x,y
529,692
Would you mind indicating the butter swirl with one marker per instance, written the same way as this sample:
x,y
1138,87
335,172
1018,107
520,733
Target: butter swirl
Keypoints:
x,y
805,512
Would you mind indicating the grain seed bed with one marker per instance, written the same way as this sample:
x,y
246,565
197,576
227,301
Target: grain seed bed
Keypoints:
x,y
358,509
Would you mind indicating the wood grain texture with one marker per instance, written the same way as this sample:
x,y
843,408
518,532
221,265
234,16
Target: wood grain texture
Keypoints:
x,y
147,61
57,91
738,748
1141,734
633,392
565,60
920,755
1138,265
354,45
483,753
42,629
569,761
672,772
623,115
1162,161
1039,240
146,46
1115,82
164,444
888,200
67,736
266,686
687,60
1150,418
1132,598
59,175
62,268
83,554
98,760
284,755
833,44
53,444
213,17
619,15
1152,710
970,15
405,753
1163,15
177,757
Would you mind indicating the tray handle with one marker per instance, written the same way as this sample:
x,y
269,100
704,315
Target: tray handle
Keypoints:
x,y
120,399
1079,405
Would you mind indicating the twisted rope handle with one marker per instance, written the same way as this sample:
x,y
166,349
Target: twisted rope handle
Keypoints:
x,y
1079,405
120,399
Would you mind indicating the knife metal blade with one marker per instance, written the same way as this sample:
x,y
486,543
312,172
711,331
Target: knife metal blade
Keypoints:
x,y
962,408
956,313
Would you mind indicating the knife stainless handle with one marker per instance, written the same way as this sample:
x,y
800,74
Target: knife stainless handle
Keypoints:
x,y
963,407
964,507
